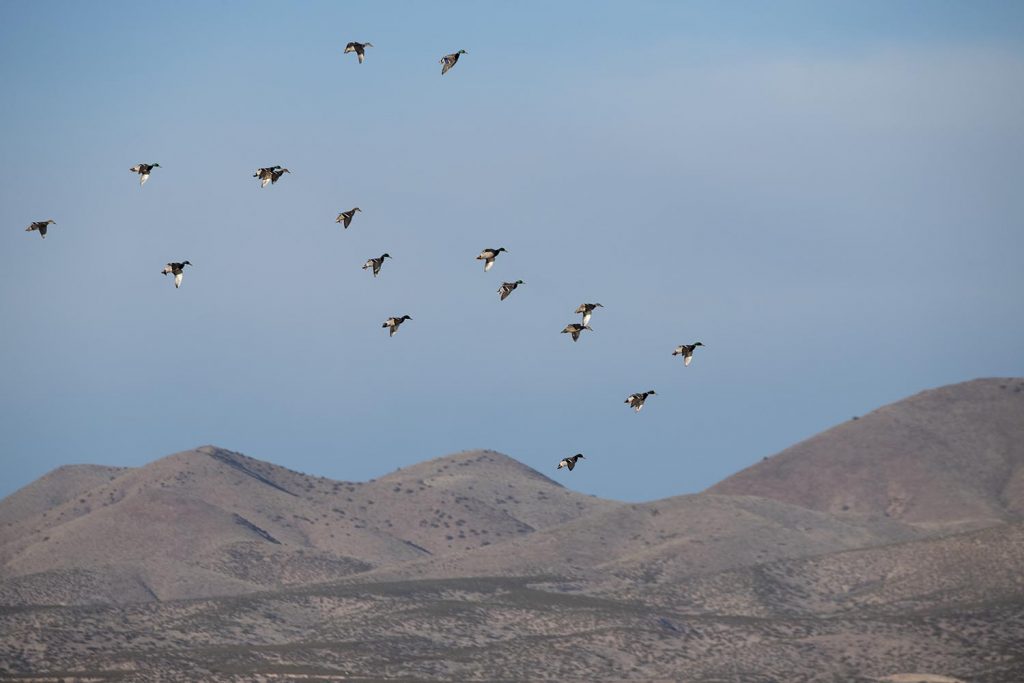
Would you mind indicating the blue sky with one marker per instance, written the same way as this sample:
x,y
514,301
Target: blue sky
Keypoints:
x,y
826,194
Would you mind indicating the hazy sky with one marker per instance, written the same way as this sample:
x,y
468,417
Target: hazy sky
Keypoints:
x,y
828,195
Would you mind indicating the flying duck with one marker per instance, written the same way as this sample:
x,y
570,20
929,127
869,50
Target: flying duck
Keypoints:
x,y
41,226
686,351
359,49
636,401
376,263
178,269
393,323
507,288
270,174
587,310
488,255
574,329
143,170
448,61
347,216
569,462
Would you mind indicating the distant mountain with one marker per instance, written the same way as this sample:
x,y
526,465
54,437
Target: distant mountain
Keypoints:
x,y
50,490
951,457
212,522
888,548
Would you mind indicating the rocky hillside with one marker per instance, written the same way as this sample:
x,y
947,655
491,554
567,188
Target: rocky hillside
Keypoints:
x,y
212,522
951,457
888,548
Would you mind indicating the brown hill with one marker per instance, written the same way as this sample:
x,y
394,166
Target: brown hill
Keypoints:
x,y
49,491
927,575
949,457
936,610
212,522
664,541
852,565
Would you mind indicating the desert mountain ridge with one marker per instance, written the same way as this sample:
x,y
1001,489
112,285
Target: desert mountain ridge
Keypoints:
x,y
209,565
213,522
951,457
210,521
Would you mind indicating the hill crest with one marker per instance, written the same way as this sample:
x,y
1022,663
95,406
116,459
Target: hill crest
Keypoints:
x,y
946,457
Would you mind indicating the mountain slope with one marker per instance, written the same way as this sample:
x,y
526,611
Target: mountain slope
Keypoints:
x,y
50,490
212,522
664,541
932,610
924,575
949,457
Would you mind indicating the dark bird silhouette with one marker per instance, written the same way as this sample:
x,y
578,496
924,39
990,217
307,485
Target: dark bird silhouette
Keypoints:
x,y
507,288
448,61
393,323
346,217
376,263
270,174
359,49
143,170
587,310
488,255
178,269
569,462
636,401
41,226
574,329
686,351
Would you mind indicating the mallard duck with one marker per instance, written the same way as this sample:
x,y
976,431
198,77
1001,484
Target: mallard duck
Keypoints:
x,y
143,170
574,329
359,49
178,269
507,288
569,462
41,226
376,263
636,401
448,61
347,216
270,174
488,255
587,310
686,351
393,323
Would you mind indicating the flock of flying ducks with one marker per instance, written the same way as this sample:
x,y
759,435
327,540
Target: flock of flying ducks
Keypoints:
x,y
269,175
